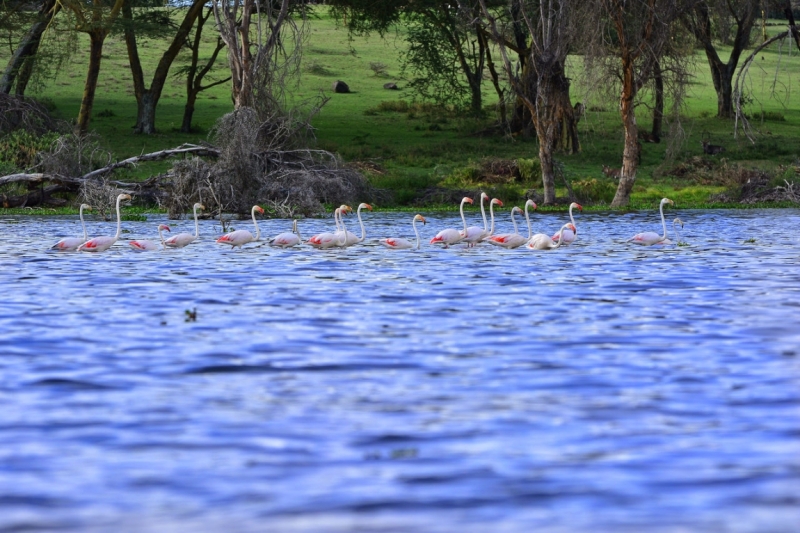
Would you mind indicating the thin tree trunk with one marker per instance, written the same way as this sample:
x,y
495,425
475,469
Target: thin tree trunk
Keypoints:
x,y
24,76
658,109
630,156
96,39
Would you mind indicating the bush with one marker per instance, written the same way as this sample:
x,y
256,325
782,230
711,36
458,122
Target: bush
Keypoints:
x,y
529,169
20,147
591,190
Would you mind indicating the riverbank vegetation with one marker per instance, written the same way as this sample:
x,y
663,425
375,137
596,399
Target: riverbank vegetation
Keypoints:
x,y
403,147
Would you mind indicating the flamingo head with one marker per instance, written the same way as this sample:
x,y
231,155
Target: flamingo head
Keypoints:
x,y
572,227
164,227
467,200
576,205
667,201
124,197
258,209
420,218
346,209
199,206
678,221
484,196
516,209
365,206
496,201
532,204
86,206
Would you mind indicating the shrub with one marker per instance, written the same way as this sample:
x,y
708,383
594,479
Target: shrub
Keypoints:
x,y
529,169
591,190
20,147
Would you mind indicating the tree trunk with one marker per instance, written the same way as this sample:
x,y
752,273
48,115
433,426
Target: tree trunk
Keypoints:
x,y
27,48
96,39
658,108
630,156
24,76
188,112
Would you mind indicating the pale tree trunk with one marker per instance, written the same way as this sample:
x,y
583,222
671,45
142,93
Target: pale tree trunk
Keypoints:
x,y
630,155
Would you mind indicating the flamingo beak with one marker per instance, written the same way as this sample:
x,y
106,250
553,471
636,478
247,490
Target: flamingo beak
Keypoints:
x,y
369,207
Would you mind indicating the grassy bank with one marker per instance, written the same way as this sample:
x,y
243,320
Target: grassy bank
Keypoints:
x,y
409,148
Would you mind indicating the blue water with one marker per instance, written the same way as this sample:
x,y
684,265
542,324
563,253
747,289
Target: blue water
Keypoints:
x,y
597,387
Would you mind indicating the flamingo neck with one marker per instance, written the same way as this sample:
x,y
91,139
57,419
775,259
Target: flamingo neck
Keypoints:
x,y
463,218
196,225
119,220
491,212
528,220
514,221
255,223
161,236
83,225
483,214
571,219
296,230
343,235
363,232
677,233
560,240
663,222
416,231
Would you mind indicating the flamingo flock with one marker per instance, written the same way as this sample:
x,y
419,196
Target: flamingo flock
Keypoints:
x,y
340,237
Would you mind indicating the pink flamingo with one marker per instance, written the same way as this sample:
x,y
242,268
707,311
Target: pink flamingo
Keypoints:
x,y
150,246
514,240
287,240
70,244
401,243
649,238
183,239
569,236
351,237
327,239
242,236
540,241
453,236
101,244
474,234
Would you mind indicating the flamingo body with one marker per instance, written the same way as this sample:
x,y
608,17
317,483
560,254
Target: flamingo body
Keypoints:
x,y
401,243
149,246
541,241
70,244
568,235
101,244
453,236
242,236
184,239
649,238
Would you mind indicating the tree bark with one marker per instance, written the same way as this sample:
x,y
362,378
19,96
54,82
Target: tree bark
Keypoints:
x,y
27,48
658,108
96,39
630,155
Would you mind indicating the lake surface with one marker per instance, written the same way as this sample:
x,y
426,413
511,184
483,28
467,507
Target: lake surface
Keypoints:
x,y
597,387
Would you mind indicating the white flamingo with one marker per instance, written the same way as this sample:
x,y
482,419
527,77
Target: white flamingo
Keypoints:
x,y
101,244
184,239
328,239
150,246
70,244
453,236
648,238
509,240
401,243
351,237
241,237
475,234
569,236
541,241
675,223
286,239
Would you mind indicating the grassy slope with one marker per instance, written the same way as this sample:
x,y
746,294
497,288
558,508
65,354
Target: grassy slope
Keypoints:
x,y
417,150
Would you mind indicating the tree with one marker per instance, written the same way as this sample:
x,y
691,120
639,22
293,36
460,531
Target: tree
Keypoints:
x,y
702,20
195,73
543,87
96,20
147,98
22,58
636,35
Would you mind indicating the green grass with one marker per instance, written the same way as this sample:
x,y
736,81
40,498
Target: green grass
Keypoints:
x,y
414,147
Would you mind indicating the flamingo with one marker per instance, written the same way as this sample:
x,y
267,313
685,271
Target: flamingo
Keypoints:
x,y
569,236
242,236
150,246
404,244
540,241
327,239
183,239
287,240
351,237
509,240
474,234
453,236
675,224
649,238
101,244
70,244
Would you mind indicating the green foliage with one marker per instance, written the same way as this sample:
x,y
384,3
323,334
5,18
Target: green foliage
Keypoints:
x,y
591,190
529,169
19,148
